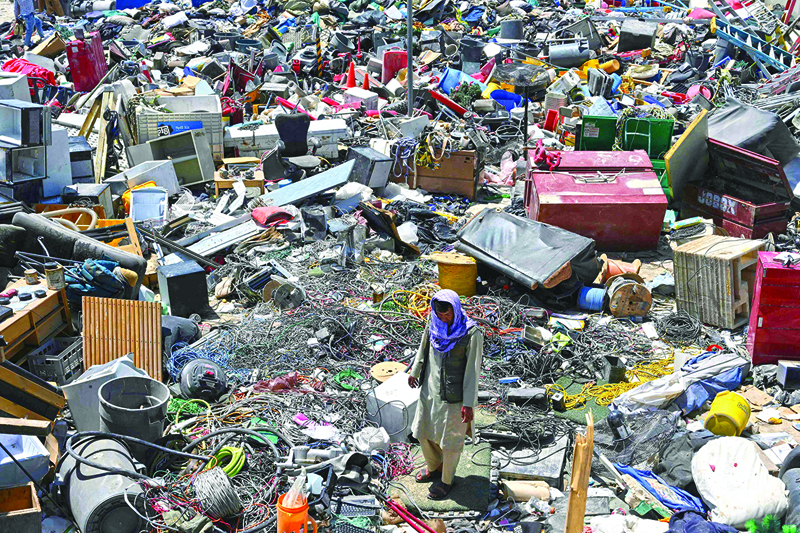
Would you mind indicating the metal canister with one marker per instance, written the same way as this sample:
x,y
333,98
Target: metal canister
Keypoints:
x,y
31,277
55,276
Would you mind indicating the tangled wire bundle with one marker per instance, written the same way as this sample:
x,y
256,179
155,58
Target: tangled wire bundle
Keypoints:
x,y
679,328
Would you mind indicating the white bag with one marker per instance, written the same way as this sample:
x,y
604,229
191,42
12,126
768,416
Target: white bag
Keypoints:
x,y
735,484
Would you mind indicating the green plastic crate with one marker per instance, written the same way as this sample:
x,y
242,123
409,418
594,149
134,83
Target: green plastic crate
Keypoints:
x,y
652,135
660,168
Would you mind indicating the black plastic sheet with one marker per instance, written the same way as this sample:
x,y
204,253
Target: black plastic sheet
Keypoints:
x,y
527,251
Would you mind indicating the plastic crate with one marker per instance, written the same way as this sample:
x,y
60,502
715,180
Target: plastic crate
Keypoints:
x,y
341,526
352,506
59,360
187,113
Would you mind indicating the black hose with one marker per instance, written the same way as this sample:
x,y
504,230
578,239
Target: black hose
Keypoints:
x,y
243,431
134,440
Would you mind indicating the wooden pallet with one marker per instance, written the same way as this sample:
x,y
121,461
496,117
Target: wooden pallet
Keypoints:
x,y
715,278
113,328
41,320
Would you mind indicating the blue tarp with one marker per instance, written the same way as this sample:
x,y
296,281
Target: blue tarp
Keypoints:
x,y
693,522
702,391
678,500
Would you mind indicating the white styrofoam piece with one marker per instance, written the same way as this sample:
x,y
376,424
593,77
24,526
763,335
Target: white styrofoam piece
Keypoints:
x,y
255,142
59,168
393,405
368,98
29,452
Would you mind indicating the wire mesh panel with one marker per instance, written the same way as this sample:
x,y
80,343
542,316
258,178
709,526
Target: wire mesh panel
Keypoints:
x,y
634,439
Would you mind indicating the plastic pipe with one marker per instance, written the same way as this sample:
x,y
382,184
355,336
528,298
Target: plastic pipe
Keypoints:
x,y
69,210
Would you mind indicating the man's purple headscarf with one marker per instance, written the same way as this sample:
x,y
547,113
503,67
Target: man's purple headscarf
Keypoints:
x,y
444,337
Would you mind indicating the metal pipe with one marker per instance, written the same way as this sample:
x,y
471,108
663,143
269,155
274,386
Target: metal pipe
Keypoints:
x,y
410,53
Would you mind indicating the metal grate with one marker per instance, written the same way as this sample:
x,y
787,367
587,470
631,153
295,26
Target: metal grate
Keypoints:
x,y
351,506
647,436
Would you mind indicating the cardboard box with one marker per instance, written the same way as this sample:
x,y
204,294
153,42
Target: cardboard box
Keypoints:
x,y
457,174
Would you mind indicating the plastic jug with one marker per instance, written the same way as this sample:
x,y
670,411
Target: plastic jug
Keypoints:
x,y
294,519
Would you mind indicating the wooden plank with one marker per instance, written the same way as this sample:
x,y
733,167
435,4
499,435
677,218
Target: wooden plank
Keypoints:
x,y
134,237
38,320
113,328
579,484
91,118
101,156
688,157
17,410
10,378
19,426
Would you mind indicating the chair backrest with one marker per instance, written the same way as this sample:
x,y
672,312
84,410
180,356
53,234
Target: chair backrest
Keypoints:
x,y
293,131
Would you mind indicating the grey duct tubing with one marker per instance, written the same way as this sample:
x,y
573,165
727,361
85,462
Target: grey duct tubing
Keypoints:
x,y
68,244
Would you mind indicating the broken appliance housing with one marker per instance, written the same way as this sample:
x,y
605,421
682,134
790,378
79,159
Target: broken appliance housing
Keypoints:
x,y
614,198
744,193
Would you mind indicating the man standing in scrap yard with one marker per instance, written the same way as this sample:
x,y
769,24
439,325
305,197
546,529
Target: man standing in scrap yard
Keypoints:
x,y
448,363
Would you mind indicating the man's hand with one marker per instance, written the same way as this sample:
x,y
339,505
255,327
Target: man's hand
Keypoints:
x,y
467,415
413,382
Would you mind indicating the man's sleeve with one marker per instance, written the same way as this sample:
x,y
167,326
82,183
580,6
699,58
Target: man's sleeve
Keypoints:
x,y
474,362
422,353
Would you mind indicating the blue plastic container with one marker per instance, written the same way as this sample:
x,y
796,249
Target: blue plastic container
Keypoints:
x,y
506,99
452,78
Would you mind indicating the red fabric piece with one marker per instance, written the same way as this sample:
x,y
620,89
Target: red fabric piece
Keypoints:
x,y
271,216
285,382
20,66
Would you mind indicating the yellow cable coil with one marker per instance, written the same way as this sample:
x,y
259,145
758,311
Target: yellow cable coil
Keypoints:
x,y
605,394
417,301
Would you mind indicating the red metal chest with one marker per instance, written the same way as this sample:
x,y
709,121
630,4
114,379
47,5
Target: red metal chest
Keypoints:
x,y
774,331
614,198
87,62
743,192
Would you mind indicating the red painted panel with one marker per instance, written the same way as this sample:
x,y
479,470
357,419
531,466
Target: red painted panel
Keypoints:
x,y
747,171
87,62
774,330
780,295
761,229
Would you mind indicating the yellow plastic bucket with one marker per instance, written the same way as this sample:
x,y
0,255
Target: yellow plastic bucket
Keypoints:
x,y
728,415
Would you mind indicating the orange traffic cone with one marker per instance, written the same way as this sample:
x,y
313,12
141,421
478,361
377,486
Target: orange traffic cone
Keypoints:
x,y
365,86
351,76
